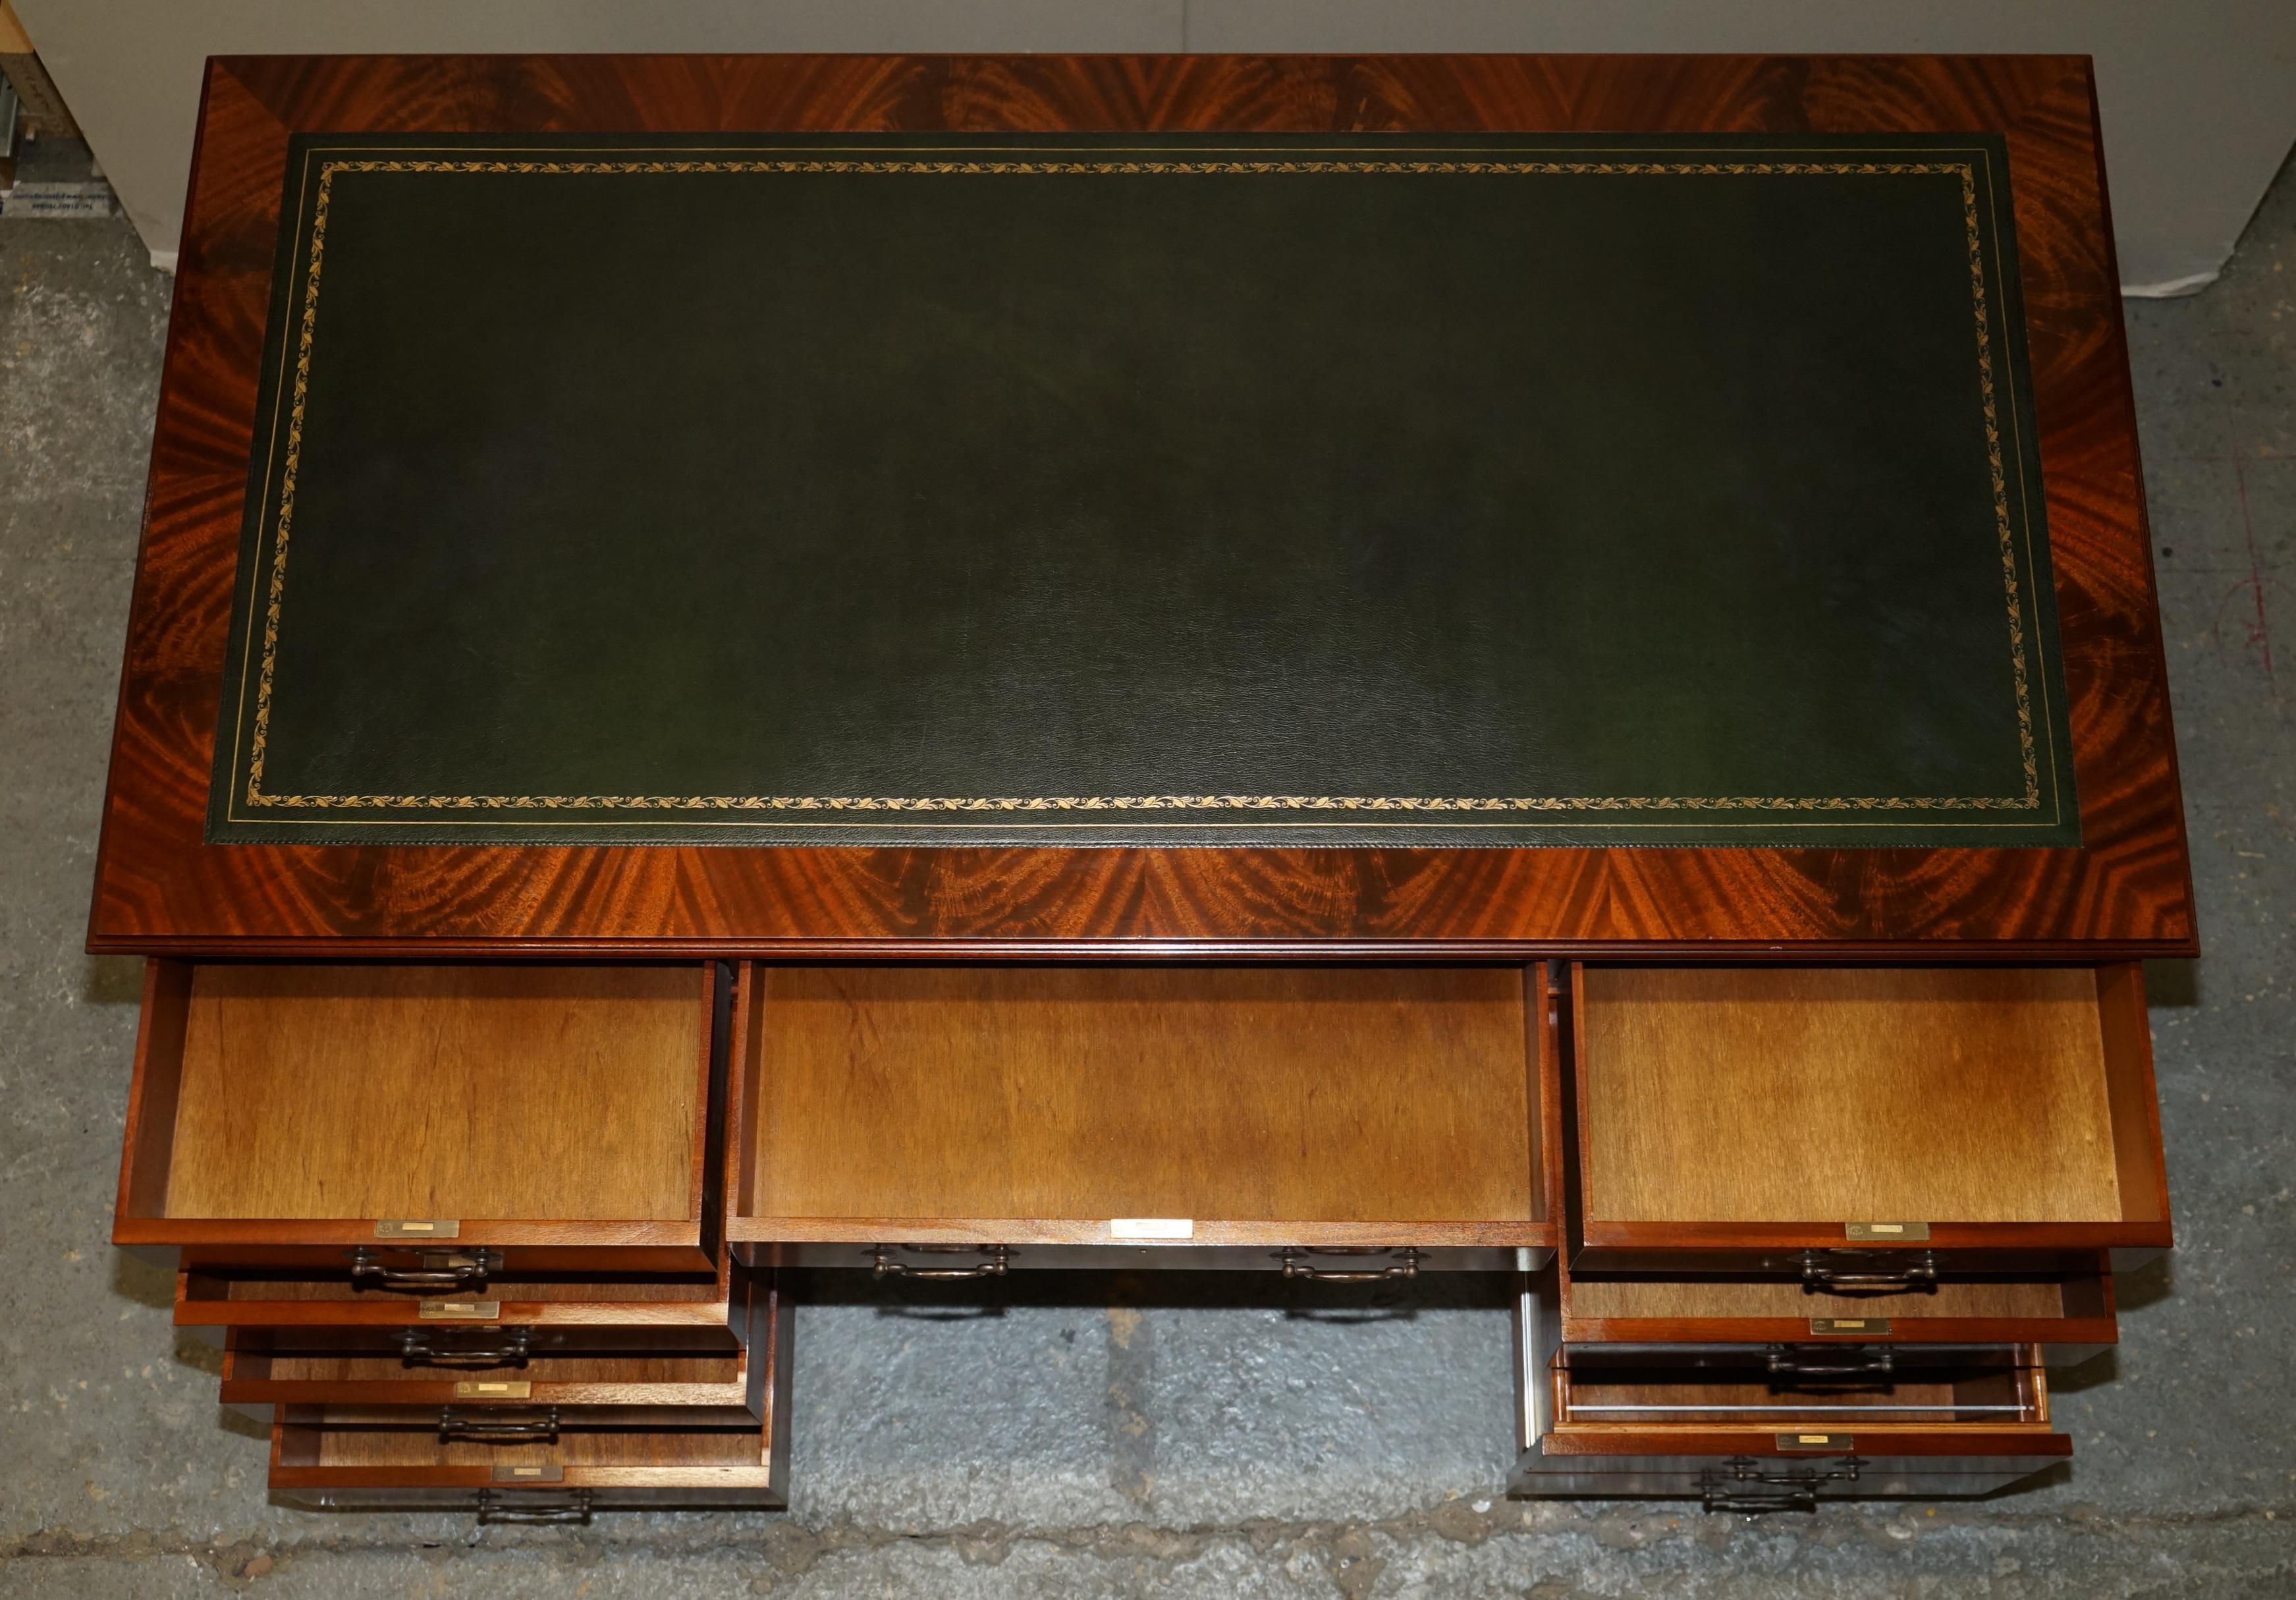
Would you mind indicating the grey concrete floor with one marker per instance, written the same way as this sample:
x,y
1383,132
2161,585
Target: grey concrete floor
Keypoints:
x,y
1112,1437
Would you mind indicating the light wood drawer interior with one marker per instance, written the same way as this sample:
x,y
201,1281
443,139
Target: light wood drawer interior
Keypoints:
x,y
301,1442
1842,1094
1698,1299
1730,1390
1275,1095
539,1368
324,1092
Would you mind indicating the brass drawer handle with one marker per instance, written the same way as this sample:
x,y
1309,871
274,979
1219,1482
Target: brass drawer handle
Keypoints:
x,y
993,1267
440,1269
480,1428
1821,1275
574,1507
415,1349
1788,1361
1296,1265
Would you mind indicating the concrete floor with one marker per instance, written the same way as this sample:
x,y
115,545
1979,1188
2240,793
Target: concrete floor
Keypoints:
x,y
1114,1438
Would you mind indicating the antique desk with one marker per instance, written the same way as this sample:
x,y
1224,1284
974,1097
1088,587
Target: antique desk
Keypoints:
x,y
1331,667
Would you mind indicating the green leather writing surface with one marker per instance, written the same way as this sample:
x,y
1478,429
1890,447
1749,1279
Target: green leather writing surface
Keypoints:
x,y
1208,489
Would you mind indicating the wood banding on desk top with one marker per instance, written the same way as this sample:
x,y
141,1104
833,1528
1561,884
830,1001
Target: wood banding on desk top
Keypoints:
x,y
2126,891
1848,1095
1226,1095
437,1092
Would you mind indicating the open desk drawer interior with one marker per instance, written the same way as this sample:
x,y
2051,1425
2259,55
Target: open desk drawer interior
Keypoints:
x,y
1754,1428
527,1458
422,1127
467,1387
1857,1124
275,1311
324,1464
2069,1315
946,1120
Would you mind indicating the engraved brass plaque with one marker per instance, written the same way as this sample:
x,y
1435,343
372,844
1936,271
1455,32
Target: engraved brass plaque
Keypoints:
x,y
529,1474
1866,1327
418,1227
458,1310
1813,1441
1886,1233
494,1388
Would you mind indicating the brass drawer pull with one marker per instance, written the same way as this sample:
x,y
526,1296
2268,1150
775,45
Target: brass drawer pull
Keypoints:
x,y
440,1269
1296,1265
1788,1361
1861,1274
416,1348
993,1267
527,1507
481,1428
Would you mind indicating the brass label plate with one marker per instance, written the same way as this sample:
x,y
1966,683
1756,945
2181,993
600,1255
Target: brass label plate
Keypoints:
x,y
494,1388
1793,1443
458,1310
419,1227
529,1474
1886,1233
1152,1227
1856,1327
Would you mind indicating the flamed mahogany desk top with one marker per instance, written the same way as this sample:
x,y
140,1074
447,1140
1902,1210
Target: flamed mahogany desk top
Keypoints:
x,y
1441,506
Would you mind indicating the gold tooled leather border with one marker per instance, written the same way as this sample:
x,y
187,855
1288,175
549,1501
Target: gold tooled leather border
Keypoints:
x,y
1115,161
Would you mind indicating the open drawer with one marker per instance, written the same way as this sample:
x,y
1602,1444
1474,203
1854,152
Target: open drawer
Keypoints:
x,y
627,1315
1861,1126
1735,1427
422,1128
1351,1121
457,1369
522,1393
2067,1315
534,1467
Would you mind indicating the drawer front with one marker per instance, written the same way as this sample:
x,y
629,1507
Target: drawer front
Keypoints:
x,y
559,1504
502,1378
917,1261
1750,1475
444,1346
349,1251
339,1313
2071,1317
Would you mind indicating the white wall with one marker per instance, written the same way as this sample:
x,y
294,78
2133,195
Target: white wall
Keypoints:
x,y
2199,96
